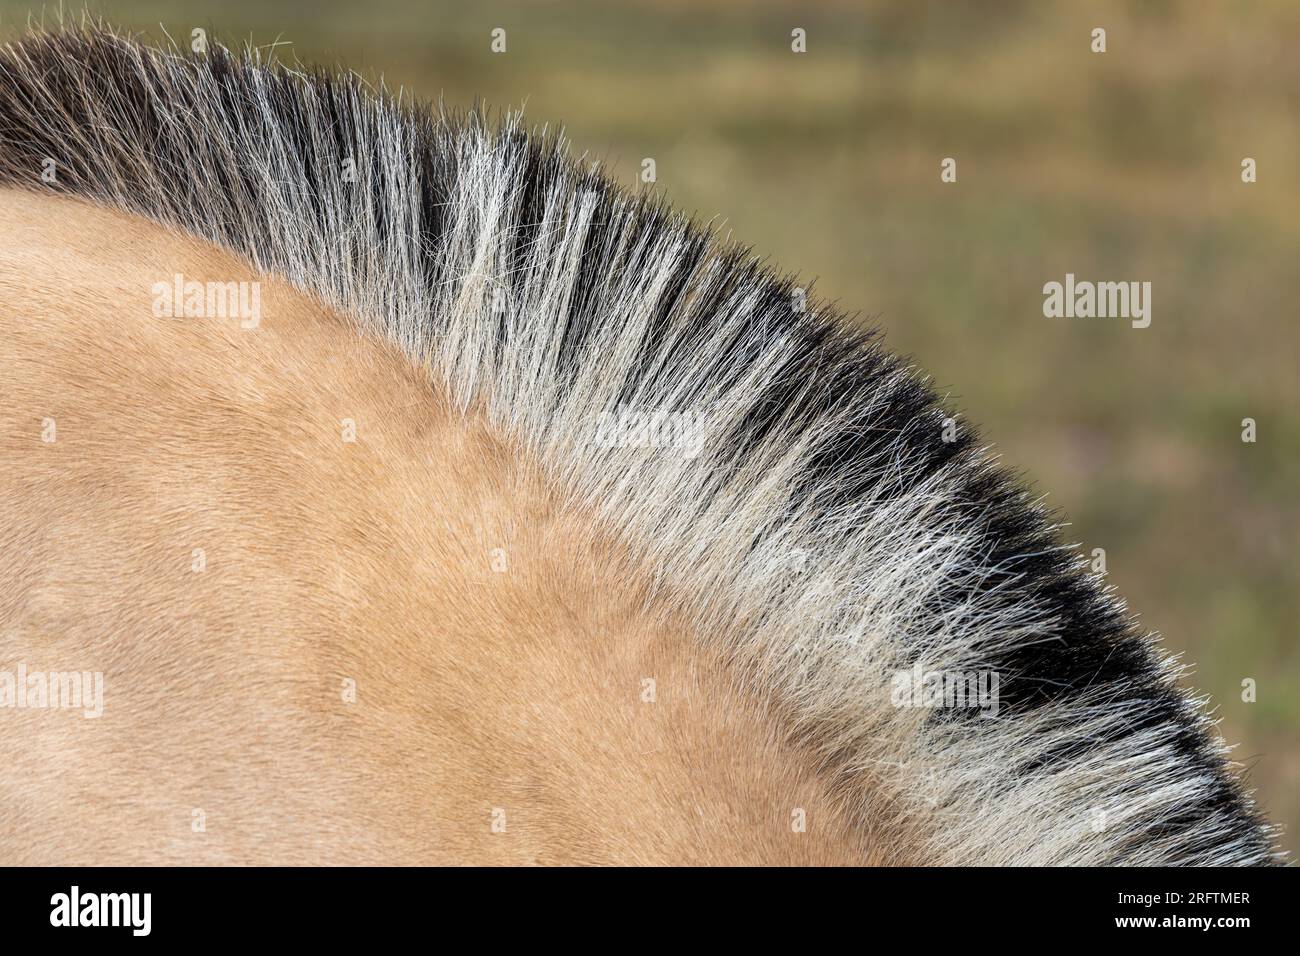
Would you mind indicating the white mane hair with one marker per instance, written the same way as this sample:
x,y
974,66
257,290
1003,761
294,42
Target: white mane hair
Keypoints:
x,y
826,535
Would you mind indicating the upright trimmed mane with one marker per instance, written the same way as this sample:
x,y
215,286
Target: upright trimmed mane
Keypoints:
x,y
826,535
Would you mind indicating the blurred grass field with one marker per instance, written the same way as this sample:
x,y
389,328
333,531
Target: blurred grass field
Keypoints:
x,y
1115,166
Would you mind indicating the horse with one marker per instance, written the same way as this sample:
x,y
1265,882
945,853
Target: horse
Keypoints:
x,y
382,484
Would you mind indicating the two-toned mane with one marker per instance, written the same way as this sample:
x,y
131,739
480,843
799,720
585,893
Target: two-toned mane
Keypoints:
x,y
562,648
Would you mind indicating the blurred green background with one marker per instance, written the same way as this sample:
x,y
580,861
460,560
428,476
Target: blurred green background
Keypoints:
x,y
1116,166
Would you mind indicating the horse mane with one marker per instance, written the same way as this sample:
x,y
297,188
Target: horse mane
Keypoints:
x,y
837,526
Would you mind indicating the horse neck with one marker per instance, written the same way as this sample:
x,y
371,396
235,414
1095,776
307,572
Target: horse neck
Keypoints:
x,y
345,618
